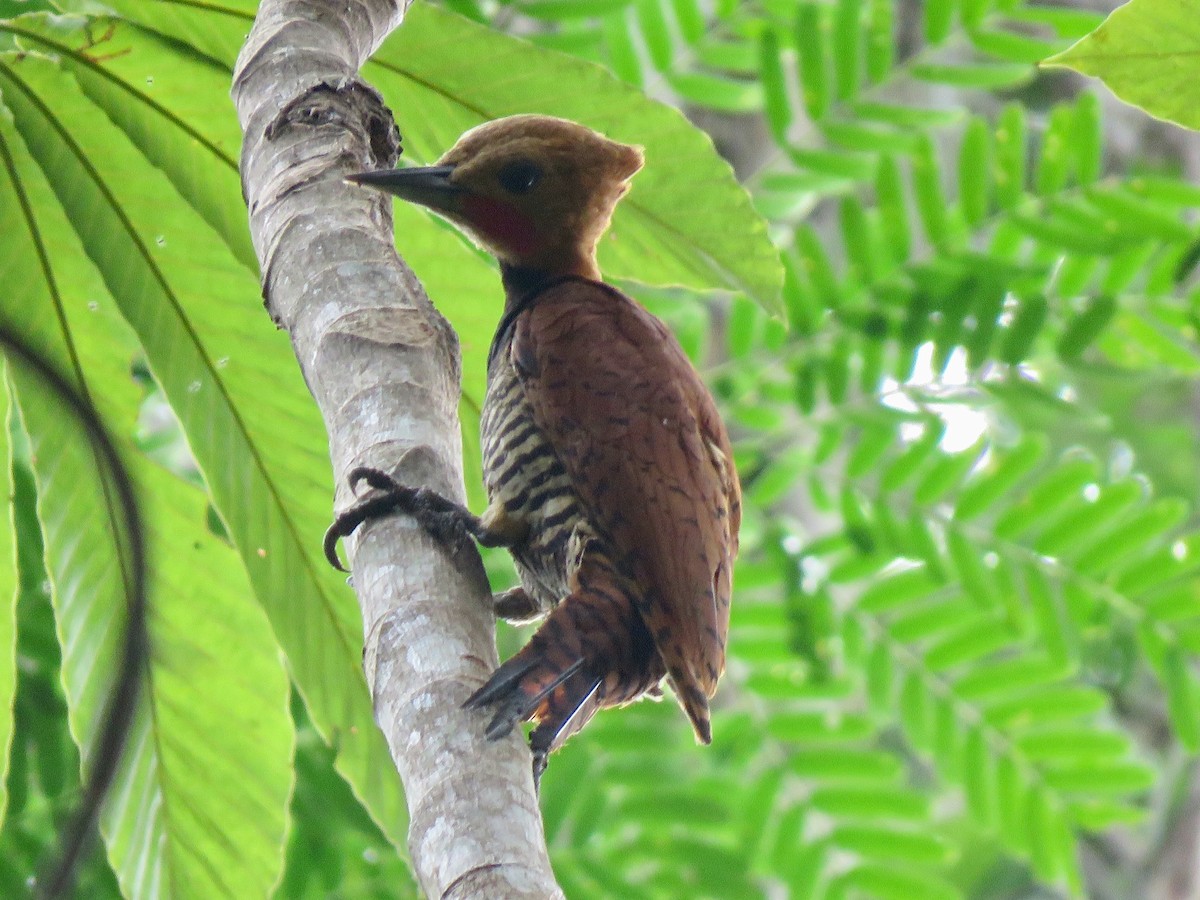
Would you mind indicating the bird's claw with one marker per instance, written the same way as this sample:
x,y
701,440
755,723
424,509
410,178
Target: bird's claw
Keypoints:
x,y
375,478
441,518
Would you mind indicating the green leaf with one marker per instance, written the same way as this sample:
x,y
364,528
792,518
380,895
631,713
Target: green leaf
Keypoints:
x,y
973,12
891,882
1002,474
921,621
906,465
1011,46
718,92
622,52
898,591
931,201
1010,794
974,175
979,778
735,57
939,20
943,475
1073,742
869,449
1087,138
857,239
163,101
1059,703
655,32
1055,161
565,10
780,475
1009,156
896,803
1115,777
1052,621
868,137
1083,520
1085,327
881,842
1021,333
847,56
200,798
1145,217
847,765
774,82
184,294
1145,52
857,166
981,76
690,18
1131,535
915,713
813,60
1183,698
807,728
1065,22
880,43
1101,813
967,644
907,117
1043,821
9,588
1074,275
816,265
880,679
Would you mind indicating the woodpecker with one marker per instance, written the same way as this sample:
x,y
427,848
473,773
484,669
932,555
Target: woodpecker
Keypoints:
x,y
609,472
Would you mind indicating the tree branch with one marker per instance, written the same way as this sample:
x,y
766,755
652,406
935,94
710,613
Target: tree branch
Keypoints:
x,y
383,366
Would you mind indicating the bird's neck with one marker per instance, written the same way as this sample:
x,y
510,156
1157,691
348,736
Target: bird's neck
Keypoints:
x,y
520,281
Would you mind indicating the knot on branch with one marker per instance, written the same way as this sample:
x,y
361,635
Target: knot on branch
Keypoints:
x,y
347,103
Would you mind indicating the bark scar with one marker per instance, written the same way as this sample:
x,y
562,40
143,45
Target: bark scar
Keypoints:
x,y
470,873
345,103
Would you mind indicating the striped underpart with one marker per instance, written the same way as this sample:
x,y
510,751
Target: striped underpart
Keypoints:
x,y
597,628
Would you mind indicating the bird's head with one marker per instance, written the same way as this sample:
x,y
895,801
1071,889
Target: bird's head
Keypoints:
x,y
534,191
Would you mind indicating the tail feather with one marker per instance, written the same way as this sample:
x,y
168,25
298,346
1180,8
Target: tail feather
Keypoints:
x,y
503,680
695,703
519,700
592,652
576,710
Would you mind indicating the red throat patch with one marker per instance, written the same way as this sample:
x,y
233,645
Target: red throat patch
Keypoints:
x,y
501,224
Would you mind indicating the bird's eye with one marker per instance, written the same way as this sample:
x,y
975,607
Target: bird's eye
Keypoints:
x,y
519,177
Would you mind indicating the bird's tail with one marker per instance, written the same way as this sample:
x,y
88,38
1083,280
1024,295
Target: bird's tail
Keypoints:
x,y
593,651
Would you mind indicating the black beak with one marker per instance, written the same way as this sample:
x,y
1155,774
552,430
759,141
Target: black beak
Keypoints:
x,y
429,185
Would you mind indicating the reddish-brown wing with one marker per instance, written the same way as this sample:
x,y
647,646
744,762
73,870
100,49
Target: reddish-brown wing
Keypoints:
x,y
650,460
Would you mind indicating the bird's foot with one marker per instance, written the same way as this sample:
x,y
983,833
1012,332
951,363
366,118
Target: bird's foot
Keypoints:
x,y
451,524
517,606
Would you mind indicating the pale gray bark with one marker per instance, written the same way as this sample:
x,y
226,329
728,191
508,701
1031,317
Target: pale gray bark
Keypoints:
x,y
383,366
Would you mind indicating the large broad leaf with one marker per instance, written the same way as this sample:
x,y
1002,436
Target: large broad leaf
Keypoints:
x,y
232,380
1148,53
199,803
170,104
686,221
8,596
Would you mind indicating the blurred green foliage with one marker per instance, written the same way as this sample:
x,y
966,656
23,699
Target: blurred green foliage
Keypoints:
x,y
968,603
